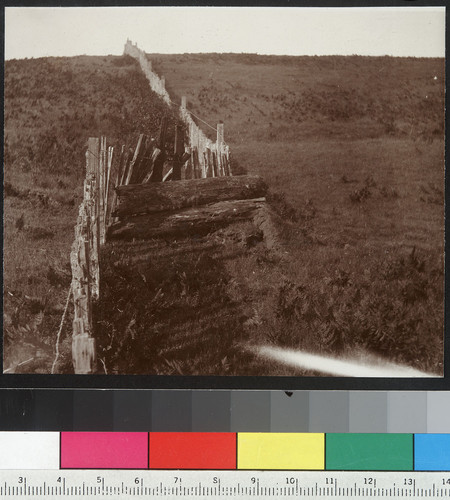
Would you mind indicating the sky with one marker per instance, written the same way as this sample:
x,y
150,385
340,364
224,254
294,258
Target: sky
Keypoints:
x,y
70,31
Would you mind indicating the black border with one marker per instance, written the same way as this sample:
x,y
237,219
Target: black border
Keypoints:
x,y
35,381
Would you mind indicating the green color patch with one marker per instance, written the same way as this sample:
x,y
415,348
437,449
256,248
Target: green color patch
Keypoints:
x,y
369,452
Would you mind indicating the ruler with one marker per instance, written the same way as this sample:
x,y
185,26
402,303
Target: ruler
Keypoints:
x,y
129,484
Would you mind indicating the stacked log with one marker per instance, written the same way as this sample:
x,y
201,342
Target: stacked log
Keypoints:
x,y
195,206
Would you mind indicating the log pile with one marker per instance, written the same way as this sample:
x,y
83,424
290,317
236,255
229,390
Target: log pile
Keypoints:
x,y
183,208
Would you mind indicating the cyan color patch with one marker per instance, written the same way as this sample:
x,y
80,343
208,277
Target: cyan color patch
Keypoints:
x,y
432,452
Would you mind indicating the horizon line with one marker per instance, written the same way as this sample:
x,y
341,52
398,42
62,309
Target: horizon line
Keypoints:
x,y
227,53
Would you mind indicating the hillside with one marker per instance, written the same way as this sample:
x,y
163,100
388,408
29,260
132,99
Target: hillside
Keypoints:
x,y
283,98
52,106
352,149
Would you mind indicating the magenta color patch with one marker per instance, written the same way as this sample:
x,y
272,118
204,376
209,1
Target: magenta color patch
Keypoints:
x,y
104,450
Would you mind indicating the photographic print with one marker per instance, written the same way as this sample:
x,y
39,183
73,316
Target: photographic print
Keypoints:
x,y
226,191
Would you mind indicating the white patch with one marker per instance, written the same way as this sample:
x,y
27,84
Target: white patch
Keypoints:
x,y
340,367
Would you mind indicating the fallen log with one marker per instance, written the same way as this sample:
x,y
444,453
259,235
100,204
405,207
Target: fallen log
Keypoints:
x,y
190,221
151,198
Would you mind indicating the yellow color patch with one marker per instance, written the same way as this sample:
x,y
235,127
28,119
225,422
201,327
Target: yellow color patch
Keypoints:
x,y
259,450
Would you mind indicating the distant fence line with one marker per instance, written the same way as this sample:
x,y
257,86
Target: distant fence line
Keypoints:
x,y
207,158
157,84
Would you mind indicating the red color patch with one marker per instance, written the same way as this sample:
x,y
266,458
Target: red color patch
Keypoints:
x,y
192,450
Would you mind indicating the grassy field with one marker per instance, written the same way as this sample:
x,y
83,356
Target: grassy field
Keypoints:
x,y
353,151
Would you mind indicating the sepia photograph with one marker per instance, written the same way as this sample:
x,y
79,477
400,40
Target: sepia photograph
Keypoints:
x,y
224,191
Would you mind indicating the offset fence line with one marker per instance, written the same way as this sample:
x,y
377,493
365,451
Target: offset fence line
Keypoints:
x,y
207,158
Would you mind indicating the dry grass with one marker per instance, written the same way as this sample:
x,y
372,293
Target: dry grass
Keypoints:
x,y
353,151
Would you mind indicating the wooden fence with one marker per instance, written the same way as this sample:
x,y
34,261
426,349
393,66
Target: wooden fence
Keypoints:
x,y
207,158
106,172
194,157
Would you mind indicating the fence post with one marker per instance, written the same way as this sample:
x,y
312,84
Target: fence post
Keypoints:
x,y
183,103
219,143
108,175
102,186
91,200
85,264
178,152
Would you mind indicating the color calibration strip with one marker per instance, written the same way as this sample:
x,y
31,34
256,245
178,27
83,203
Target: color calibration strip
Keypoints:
x,y
224,451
